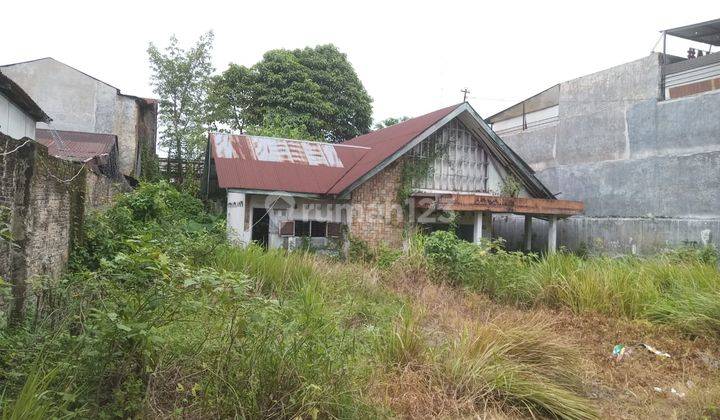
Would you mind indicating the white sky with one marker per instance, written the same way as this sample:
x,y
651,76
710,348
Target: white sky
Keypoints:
x,y
413,57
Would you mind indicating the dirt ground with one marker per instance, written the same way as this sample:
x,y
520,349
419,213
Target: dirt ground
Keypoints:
x,y
624,389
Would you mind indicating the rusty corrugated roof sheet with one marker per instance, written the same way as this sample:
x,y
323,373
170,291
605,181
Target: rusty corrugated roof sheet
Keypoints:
x,y
77,145
265,163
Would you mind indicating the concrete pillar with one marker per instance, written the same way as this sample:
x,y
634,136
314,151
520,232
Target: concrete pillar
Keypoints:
x,y
528,232
487,230
478,227
552,235
236,208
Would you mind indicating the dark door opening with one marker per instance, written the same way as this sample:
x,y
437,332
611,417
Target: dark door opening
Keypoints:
x,y
464,232
260,227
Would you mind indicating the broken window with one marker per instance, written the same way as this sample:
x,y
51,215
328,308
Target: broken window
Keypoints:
x,y
302,228
318,229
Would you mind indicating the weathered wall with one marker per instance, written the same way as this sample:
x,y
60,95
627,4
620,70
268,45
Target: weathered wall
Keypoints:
x,y
377,216
647,170
48,199
78,102
14,121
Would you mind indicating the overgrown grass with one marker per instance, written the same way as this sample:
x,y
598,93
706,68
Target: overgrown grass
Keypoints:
x,y
159,317
518,365
681,288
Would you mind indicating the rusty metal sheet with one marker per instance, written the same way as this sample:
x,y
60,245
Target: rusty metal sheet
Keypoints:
x,y
265,163
76,144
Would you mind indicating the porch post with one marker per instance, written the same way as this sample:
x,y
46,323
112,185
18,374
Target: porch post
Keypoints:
x,y
487,225
236,208
528,232
552,235
478,227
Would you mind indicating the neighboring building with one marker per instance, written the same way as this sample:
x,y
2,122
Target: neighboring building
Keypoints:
x,y
18,111
638,143
289,193
81,103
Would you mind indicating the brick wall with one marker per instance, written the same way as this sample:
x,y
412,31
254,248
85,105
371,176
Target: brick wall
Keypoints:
x,y
46,213
377,217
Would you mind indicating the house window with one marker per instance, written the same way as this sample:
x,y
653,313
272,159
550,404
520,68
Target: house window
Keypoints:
x,y
287,228
312,228
302,228
334,230
318,229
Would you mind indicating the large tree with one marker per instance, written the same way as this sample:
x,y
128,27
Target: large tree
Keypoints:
x,y
181,78
313,89
230,95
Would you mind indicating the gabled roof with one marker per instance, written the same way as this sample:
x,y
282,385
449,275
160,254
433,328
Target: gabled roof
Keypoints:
x,y
77,145
20,98
138,98
263,163
385,143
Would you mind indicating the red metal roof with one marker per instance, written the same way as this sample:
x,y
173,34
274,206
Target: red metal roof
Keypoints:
x,y
77,145
263,163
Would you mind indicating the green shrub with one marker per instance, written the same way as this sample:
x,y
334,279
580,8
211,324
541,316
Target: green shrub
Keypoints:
x,y
678,288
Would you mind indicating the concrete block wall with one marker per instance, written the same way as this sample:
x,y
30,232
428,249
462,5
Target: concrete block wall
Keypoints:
x,y
377,217
46,214
647,170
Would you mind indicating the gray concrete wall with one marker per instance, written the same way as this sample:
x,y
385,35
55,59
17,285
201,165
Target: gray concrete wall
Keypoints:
x,y
78,102
647,170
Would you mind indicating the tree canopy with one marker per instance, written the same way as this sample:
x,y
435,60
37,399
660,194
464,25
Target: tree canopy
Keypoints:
x,y
312,90
181,78
387,122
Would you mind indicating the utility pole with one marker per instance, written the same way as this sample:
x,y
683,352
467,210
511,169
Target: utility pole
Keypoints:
x,y
465,93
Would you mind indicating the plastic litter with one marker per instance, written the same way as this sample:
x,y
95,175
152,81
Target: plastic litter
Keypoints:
x,y
655,351
620,351
671,391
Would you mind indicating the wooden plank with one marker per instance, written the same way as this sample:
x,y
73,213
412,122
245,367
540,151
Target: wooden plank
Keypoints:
x,y
496,204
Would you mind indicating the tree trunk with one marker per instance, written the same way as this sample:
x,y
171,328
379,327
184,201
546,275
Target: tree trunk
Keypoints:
x,y
178,152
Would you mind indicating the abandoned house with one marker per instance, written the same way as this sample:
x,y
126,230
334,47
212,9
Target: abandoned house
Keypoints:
x,y
81,103
291,193
638,143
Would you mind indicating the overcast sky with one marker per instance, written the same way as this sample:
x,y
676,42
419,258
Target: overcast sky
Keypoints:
x,y
413,57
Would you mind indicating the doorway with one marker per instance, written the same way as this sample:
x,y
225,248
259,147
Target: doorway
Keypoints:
x,y
260,226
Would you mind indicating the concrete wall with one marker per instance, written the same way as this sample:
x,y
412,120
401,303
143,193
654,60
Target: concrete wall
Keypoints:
x,y
241,208
14,121
78,102
647,170
46,213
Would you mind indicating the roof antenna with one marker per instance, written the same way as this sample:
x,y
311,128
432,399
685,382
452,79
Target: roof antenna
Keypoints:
x,y
465,93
